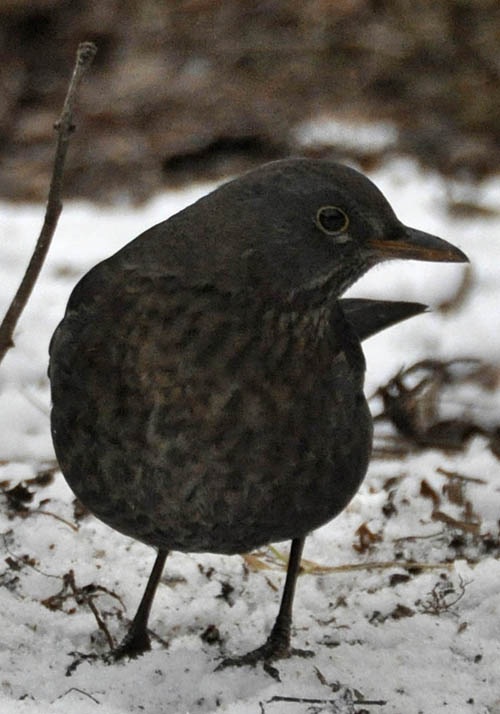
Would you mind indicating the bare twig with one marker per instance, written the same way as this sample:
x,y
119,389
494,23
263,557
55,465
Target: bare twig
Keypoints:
x,y
443,596
80,691
39,512
83,596
303,700
64,127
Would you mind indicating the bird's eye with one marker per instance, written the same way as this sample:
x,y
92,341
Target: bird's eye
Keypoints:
x,y
332,220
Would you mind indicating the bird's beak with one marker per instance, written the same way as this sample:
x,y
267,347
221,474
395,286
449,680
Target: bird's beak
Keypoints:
x,y
417,245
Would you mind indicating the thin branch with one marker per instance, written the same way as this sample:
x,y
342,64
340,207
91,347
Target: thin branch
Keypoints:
x,y
39,512
80,691
64,127
303,700
81,596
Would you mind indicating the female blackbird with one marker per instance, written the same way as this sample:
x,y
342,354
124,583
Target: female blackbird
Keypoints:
x,y
207,384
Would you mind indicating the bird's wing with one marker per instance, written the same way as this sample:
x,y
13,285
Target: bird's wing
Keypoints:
x,y
371,316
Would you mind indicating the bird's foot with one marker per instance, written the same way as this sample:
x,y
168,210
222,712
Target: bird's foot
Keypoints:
x,y
274,648
134,644
78,658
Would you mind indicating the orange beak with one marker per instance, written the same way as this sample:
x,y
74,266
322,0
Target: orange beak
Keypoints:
x,y
417,245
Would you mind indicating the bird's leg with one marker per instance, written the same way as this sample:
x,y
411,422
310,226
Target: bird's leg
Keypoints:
x,y
277,645
137,641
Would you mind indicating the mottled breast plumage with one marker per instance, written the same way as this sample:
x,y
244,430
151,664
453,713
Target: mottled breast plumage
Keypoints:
x,y
205,411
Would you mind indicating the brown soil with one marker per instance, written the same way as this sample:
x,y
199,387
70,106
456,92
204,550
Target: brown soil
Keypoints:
x,y
187,89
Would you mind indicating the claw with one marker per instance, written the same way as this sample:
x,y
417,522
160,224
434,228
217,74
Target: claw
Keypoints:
x,y
267,653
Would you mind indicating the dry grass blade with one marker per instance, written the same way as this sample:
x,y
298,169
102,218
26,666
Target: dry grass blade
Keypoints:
x,y
255,561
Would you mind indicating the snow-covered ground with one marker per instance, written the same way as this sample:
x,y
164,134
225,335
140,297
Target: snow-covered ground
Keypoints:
x,y
423,639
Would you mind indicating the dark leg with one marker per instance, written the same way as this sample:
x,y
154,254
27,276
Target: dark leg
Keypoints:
x,y
277,645
137,640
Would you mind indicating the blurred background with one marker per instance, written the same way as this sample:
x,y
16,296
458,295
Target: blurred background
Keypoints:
x,y
183,93
185,90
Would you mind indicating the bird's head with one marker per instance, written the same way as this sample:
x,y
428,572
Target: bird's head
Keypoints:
x,y
294,227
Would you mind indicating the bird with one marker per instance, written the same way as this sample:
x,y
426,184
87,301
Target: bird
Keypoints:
x,y
207,378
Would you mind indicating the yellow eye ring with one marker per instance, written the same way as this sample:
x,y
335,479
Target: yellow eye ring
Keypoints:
x,y
332,220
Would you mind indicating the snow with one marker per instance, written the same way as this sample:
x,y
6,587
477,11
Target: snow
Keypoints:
x,y
371,137
424,640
